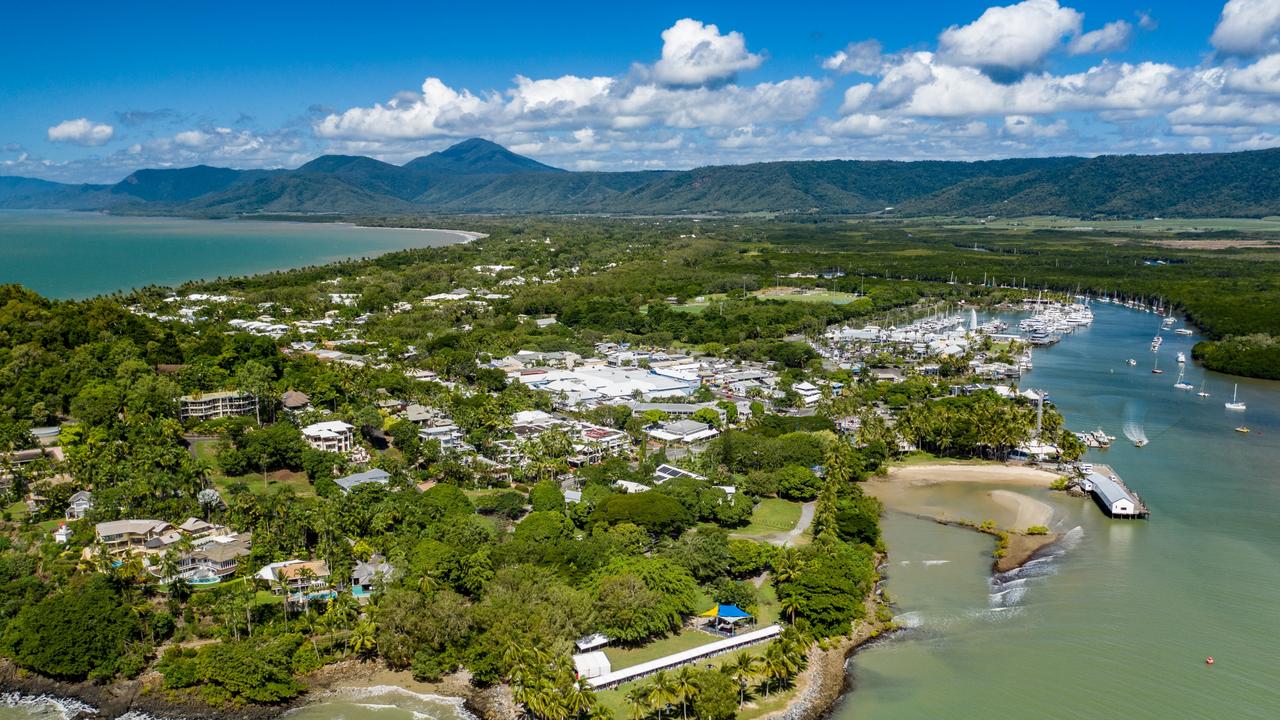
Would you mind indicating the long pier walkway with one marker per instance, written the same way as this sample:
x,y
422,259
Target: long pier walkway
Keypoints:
x,y
618,677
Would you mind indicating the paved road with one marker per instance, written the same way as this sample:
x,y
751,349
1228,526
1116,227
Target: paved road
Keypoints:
x,y
806,519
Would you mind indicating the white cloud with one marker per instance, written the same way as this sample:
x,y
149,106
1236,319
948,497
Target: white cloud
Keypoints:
x,y
859,57
81,131
1146,21
438,110
855,97
694,53
1109,37
923,86
867,125
1261,77
1010,39
1025,126
1247,27
1261,141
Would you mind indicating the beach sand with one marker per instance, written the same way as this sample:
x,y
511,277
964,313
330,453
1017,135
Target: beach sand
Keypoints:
x,y
930,491
954,472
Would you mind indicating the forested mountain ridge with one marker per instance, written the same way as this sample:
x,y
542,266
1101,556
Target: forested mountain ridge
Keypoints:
x,y
478,176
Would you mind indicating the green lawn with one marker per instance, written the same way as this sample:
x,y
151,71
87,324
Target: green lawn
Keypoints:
x,y
686,639
810,296
767,610
259,484
925,458
757,705
772,515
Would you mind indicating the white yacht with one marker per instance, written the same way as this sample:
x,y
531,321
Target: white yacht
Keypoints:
x,y
1183,384
1183,331
1202,393
1182,358
1235,404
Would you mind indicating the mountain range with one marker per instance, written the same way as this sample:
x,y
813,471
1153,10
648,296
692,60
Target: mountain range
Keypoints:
x,y
478,176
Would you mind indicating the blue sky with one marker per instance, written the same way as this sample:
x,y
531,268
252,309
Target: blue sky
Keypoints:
x,y
90,94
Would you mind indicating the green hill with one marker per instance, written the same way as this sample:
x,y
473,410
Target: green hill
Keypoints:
x,y
481,176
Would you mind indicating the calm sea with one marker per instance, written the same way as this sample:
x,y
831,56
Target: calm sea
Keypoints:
x,y
77,255
1120,622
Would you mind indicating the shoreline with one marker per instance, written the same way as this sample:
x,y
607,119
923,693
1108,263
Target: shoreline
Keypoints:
x,y
144,695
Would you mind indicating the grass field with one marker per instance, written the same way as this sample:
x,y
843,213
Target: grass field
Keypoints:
x,y
1163,225
257,483
925,458
771,516
791,294
757,705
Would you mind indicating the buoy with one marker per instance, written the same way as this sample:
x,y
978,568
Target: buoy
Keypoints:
x,y
1208,660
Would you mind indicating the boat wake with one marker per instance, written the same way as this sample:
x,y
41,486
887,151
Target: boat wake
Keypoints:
x,y
1135,433
1008,589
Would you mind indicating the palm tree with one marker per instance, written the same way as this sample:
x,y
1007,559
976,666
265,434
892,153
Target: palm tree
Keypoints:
x,y
363,639
637,702
687,688
777,664
743,670
578,699
789,604
661,692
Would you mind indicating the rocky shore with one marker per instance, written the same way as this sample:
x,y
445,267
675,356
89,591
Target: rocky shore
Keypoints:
x,y
144,695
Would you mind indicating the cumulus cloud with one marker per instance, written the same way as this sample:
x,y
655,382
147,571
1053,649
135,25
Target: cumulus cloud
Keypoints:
x,y
859,57
1262,76
81,131
989,88
1012,39
1247,27
1024,126
694,53
1109,37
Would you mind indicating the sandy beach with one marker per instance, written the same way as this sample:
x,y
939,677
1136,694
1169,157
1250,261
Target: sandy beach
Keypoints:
x,y
981,473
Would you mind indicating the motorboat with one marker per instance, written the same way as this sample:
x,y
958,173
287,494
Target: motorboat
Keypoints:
x,y
1202,393
1184,331
1242,429
1131,362
1182,358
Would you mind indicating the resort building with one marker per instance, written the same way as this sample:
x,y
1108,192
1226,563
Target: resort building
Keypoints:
x,y
368,575
214,558
296,577
351,482
446,433
121,537
214,405
665,472
79,504
332,436
682,432
295,401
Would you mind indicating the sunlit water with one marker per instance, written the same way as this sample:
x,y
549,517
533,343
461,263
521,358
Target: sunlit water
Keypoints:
x,y
77,255
1119,621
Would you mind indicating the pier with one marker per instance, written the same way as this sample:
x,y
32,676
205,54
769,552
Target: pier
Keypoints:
x,y
1113,496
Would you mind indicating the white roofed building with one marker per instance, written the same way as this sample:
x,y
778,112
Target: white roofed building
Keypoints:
x,y
330,436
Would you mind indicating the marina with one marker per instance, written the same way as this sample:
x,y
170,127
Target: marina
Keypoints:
x,y
1105,599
